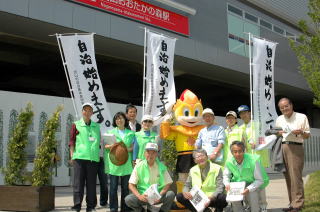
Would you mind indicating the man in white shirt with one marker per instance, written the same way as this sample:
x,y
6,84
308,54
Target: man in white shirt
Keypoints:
x,y
295,129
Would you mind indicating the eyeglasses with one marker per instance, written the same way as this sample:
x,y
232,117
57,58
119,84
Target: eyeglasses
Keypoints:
x,y
199,156
148,121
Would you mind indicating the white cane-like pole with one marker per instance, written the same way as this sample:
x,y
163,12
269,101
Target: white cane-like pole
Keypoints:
x,y
251,93
144,71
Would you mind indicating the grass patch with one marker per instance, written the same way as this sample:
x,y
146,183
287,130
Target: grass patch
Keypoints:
x,y
312,193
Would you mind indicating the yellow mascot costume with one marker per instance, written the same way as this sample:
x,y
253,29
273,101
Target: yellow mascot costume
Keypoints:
x,y
188,113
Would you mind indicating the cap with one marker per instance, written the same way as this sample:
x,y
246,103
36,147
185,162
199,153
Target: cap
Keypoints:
x,y
243,108
151,146
232,113
146,118
87,104
207,110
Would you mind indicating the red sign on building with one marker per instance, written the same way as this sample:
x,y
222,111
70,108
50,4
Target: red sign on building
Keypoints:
x,y
144,12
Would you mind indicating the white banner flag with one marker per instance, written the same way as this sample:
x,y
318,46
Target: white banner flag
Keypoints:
x,y
160,87
264,111
78,57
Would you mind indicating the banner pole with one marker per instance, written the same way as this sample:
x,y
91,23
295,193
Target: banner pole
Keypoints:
x,y
144,71
251,92
65,67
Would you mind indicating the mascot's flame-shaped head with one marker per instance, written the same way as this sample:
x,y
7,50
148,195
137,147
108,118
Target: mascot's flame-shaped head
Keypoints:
x,y
188,109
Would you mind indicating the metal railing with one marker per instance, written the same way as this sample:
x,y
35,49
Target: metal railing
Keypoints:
x,y
312,150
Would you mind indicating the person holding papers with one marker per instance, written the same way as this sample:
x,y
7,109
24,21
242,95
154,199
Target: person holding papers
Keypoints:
x,y
145,174
144,136
244,167
116,171
206,176
211,138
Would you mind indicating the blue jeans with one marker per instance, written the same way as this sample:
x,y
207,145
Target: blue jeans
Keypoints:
x,y
113,195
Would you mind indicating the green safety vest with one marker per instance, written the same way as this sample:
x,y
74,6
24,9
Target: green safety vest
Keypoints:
x,y
142,140
209,184
144,175
247,171
235,134
84,148
264,154
125,169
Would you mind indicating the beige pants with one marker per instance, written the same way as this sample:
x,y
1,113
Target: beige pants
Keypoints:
x,y
294,161
252,199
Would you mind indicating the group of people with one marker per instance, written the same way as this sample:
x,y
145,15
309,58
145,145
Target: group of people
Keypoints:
x,y
221,156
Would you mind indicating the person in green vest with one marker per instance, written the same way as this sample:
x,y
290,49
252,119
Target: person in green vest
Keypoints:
x,y
84,152
148,172
144,136
208,177
244,167
119,172
233,133
251,144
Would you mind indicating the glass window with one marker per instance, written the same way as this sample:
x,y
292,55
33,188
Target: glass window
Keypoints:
x,y
234,10
251,17
289,34
278,30
265,24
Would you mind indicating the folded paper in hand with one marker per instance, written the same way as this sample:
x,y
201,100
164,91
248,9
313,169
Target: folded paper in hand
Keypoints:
x,y
152,194
109,139
234,194
199,198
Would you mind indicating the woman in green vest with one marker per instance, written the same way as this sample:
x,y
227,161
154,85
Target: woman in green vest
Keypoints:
x,y
122,172
233,133
244,167
144,136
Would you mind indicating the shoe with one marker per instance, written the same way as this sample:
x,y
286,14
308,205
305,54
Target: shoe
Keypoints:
x,y
104,205
287,209
263,210
91,210
295,210
76,208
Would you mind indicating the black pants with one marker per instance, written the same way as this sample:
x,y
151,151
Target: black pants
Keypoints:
x,y
219,203
103,179
85,173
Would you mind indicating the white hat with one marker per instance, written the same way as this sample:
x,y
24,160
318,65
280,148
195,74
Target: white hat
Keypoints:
x,y
146,118
87,104
151,146
232,113
207,110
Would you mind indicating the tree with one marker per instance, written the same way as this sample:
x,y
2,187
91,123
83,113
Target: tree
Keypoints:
x,y
308,50
46,150
15,171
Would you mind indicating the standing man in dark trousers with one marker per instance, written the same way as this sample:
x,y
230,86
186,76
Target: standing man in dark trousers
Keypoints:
x,y
84,151
103,179
295,129
131,113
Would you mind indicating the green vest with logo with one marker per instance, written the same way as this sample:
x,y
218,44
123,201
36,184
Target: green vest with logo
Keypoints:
x,y
208,186
235,134
142,140
144,176
246,173
87,144
125,169
264,154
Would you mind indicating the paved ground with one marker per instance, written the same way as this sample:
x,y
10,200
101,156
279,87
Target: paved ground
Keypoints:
x,y
276,196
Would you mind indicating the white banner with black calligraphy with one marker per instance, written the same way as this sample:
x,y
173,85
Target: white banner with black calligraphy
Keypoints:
x,y
160,87
81,69
263,103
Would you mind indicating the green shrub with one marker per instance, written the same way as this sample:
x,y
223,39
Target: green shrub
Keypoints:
x,y
15,171
312,193
46,150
